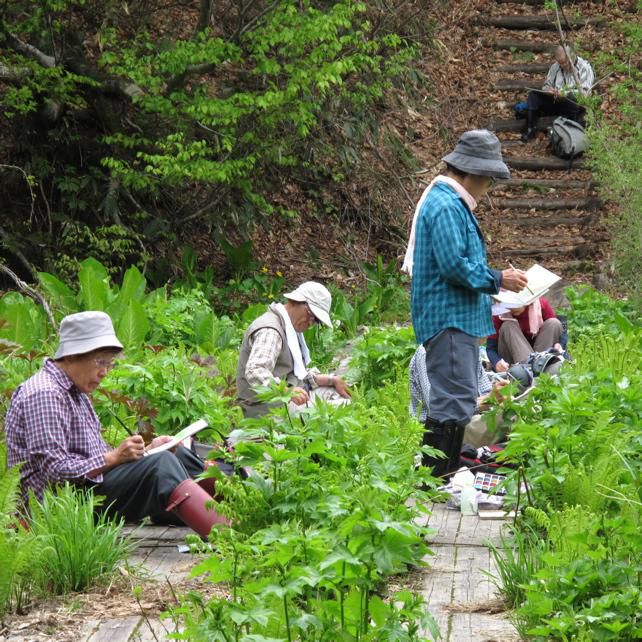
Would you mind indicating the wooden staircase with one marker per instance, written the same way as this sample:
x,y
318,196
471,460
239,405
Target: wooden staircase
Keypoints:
x,y
548,211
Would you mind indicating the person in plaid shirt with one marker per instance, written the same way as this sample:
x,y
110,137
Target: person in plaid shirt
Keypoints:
x,y
451,284
54,435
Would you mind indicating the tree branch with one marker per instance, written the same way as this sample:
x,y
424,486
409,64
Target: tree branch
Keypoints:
x,y
30,51
29,291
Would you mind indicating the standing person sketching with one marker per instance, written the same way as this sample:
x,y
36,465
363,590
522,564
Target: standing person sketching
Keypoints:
x,y
451,284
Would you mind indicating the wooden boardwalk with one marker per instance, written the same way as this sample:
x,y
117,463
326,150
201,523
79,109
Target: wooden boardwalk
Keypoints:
x,y
458,593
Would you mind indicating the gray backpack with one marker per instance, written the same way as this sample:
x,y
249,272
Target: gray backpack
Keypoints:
x,y
568,138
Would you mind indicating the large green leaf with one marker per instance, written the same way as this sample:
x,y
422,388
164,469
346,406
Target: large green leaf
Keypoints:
x,y
24,320
60,295
133,326
94,285
132,289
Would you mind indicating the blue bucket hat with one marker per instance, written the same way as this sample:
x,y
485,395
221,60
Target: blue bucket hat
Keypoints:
x,y
478,152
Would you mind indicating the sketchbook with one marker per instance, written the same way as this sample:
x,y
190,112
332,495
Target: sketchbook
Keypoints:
x,y
540,281
188,431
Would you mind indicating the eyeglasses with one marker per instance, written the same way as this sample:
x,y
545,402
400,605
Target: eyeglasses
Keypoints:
x,y
311,315
104,364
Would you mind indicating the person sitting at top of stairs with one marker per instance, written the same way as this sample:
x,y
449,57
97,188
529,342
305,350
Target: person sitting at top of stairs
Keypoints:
x,y
558,96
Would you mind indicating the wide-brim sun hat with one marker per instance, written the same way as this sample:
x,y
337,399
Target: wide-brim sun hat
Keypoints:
x,y
85,332
317,297
478,152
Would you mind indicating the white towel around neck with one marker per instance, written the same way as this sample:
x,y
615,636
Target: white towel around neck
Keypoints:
x,y
459,188
296,343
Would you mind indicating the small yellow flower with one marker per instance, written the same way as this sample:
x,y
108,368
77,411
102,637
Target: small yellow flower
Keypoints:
x,y
264,269
278,273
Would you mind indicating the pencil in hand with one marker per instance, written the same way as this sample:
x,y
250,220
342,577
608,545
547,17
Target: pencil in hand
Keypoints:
x,y
512,267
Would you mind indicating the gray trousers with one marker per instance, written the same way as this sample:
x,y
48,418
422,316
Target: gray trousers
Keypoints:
x,y
452,360
142,488
514,347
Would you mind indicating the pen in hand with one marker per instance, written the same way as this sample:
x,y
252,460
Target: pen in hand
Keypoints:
x,y
512,267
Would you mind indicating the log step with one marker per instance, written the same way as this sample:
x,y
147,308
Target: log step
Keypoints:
x,y
542,23
590,203
550,222
527,68
539,2
581,251
516,125
515,83
545,183
543,162
524,45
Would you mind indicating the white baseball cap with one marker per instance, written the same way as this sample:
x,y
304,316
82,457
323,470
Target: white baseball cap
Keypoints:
x,y
84,332
317,297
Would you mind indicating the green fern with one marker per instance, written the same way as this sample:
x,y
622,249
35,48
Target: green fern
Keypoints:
x,y
17,546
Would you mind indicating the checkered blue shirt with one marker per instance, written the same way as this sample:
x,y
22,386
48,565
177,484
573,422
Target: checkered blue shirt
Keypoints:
x,y
53,431
451,280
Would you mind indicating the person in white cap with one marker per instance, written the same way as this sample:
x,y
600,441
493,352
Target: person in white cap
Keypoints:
x,y
54,435
274,350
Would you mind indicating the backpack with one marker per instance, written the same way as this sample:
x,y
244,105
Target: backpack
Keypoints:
x,y
568,138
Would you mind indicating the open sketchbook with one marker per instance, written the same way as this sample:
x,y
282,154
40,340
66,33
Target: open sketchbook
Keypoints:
x,y
540,280
190,430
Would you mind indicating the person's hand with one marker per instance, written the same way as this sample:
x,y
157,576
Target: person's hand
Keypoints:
x,y
501,366
496,392
160,440
556,94
342,388
514,280
300,396
558,347
130,449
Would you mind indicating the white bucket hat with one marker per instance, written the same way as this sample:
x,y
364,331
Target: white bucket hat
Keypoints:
x,y
84,332
317,297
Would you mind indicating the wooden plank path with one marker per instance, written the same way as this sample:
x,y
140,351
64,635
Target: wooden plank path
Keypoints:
x,y
458,593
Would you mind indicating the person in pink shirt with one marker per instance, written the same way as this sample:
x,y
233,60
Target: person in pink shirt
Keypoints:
x,y
521,331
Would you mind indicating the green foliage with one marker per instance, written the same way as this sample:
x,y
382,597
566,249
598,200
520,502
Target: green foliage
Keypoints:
x,y
130,135
318,526
616,148
573,567
381,354
78,547
18,548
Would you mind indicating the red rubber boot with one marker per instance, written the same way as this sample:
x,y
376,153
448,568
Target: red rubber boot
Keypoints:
x,y
187,501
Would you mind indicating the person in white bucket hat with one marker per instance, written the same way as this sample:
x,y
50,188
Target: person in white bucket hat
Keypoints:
x,y
274,349
54,435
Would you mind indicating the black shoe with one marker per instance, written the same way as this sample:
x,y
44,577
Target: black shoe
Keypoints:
x,y
529,135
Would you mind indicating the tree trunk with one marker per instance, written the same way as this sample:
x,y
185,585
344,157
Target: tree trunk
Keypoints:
x,y
524,45
528,68
517,124
546,183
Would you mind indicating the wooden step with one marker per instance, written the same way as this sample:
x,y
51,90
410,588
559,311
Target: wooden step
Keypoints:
x,y
526,68
550,221
542,23
545,183
581,250
517,124
589,203
541,2
515,83
524,45
542,162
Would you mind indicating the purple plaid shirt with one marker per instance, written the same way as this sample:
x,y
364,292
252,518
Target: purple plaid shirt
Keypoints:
x,y
53,431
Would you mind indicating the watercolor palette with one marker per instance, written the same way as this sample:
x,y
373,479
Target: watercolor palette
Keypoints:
x,y
487,482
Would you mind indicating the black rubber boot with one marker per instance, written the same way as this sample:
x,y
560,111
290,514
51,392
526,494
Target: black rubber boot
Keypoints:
x,y
456,442
531,126
438,435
